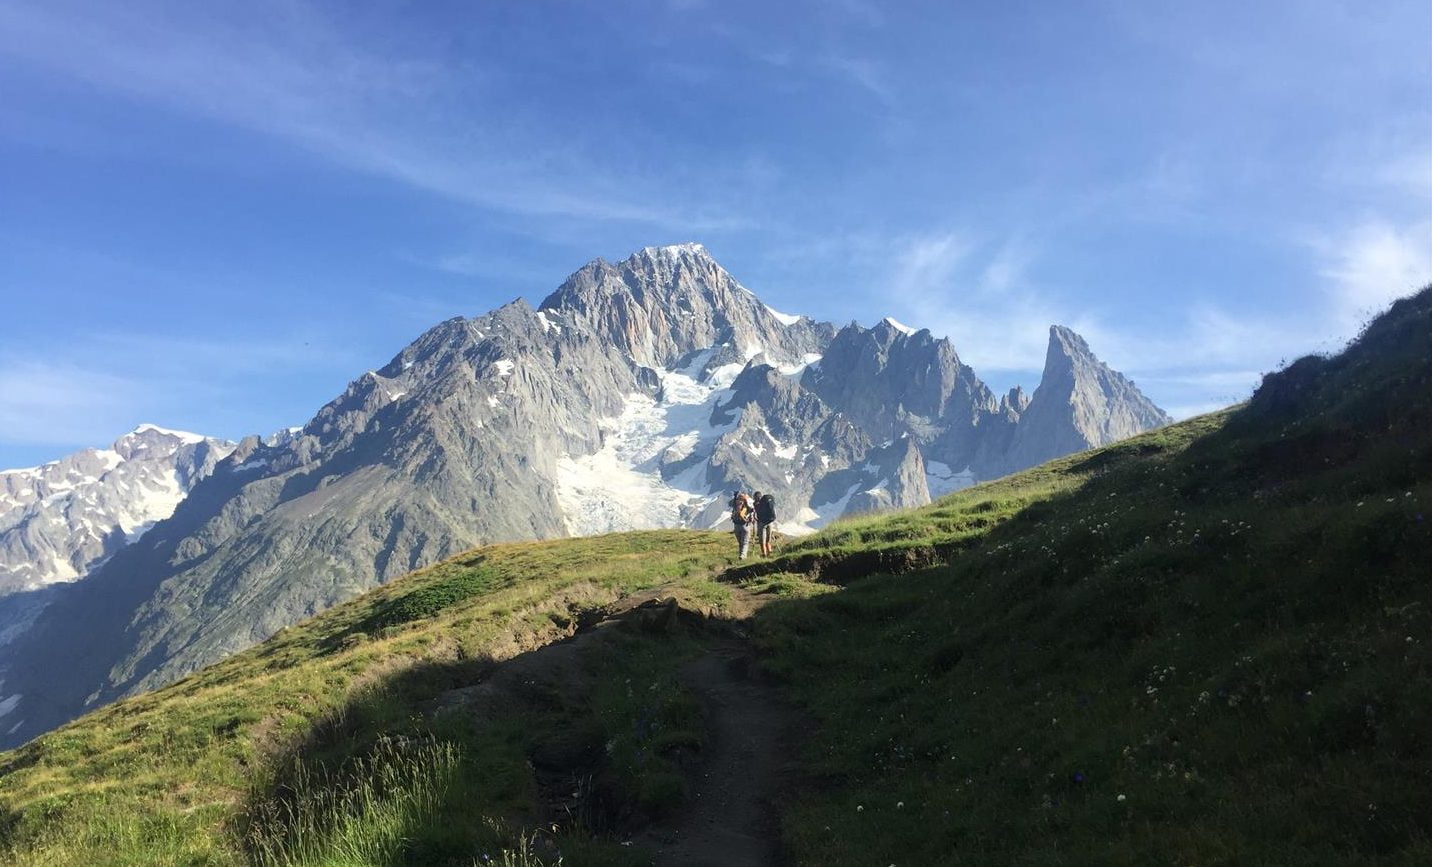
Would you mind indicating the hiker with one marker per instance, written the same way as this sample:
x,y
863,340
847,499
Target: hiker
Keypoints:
x,y
765,518
742,514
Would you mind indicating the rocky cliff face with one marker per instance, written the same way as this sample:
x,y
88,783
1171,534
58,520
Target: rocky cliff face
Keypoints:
x,y
664,303
639,394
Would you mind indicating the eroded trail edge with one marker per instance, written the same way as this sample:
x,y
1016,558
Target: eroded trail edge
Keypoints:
x,y
731,815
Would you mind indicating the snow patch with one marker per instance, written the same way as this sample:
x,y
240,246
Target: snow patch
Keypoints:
x,y
722,377
184,436
783,318
504,366
942,480
620,487
898,326
829,511
251,464
807,360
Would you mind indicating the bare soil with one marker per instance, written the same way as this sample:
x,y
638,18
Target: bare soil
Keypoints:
x,y
731,815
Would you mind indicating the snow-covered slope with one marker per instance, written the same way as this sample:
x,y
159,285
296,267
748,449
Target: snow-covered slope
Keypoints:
x,y
61,520
622,487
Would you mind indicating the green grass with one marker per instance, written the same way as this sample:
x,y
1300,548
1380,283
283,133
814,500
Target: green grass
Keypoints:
x,y
367,814
168,777
1204,645
431,598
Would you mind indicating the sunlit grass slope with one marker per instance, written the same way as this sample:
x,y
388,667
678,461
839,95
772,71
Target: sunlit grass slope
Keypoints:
x,y
174,776
1205,645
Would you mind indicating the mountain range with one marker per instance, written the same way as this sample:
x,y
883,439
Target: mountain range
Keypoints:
x,y
637,395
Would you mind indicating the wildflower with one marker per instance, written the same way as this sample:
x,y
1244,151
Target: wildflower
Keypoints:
x,y
899,805
859,808
1122,799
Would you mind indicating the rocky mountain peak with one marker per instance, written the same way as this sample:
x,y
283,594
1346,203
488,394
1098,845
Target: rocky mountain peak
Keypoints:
x,y
663,303
1080,403
1067,349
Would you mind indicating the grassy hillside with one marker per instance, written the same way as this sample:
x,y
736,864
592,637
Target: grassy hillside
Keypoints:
x,y
198,772
1204,645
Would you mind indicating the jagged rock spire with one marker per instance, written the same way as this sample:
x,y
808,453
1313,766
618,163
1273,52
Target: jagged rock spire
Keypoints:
x,y
1081,403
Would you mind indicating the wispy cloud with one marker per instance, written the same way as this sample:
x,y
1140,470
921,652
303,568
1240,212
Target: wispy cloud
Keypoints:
x,y
110,381
868,75
926,265
1375,263
299,80
980,295
972,293
66,405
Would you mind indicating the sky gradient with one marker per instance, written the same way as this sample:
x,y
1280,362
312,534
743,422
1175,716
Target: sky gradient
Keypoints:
x,y
213,218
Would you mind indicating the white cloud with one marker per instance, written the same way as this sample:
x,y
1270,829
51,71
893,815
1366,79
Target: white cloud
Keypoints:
x,y
1375,263
952,285
1006,269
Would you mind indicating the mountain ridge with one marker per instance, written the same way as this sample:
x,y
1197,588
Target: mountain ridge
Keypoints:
x,y
636,395
62,519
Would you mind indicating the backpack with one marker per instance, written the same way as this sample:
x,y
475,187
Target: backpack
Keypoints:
x,y
741,510
766,509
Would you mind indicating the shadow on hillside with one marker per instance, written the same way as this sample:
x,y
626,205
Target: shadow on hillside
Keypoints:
x,y
527,741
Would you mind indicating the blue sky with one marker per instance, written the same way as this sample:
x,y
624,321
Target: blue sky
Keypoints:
x,y
213,216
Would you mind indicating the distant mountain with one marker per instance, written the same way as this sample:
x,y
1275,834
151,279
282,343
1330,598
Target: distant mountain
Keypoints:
x,y
62,520
638,394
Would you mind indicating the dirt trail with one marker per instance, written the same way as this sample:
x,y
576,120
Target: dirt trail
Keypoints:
x,y
730,815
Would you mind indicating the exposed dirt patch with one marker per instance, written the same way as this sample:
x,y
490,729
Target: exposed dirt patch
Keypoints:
x,y
731,815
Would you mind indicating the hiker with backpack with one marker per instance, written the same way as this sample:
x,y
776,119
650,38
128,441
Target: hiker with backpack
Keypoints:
x,y
742,514
765,518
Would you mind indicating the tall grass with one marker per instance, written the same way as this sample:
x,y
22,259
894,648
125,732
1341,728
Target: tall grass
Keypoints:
x,y
363,813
